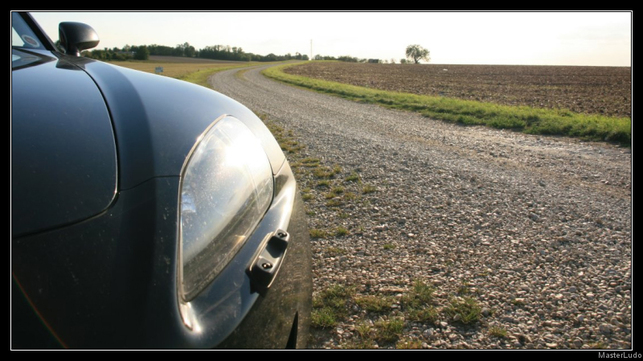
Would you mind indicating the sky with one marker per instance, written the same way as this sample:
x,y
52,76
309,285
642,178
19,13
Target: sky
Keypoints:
x,y
452,37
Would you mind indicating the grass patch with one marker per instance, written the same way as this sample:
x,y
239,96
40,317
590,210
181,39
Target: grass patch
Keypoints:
x,y
335,202
389,330
365,337
465,310
341,231
499,332
467,112
353,177
337,190
375,304
418,303
323,172
330,306
420,295
429,314
291,146
349,196
323,184
334,192
318,233
200,77
310,162
369,189
330,195
334,251
193,72
323,317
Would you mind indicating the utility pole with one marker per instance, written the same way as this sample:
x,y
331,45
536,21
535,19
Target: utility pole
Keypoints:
x,y
311,49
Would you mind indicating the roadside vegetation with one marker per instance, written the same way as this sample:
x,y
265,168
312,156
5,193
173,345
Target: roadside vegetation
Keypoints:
x,y
385,318
526,119
193,72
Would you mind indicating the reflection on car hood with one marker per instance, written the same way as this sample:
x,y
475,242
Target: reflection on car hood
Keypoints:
x,y
157,120
63,150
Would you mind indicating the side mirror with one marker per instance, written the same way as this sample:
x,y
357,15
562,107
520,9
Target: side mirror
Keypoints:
x,y
76,37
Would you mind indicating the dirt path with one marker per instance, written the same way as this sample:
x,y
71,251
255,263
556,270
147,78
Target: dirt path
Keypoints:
x,y
536,231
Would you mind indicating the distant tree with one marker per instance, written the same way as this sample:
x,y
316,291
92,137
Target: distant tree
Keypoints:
x,y
347,58
417,53
186,50
161,50
141,52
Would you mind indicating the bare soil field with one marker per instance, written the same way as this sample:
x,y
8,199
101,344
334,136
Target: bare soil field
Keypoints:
x,y
584,89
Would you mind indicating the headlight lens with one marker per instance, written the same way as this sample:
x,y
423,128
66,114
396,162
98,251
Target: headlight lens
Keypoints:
x,y
226,188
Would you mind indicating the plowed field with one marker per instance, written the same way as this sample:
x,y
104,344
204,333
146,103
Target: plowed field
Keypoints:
x,y
594,90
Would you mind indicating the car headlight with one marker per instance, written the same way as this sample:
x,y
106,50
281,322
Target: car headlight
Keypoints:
x,y
226,188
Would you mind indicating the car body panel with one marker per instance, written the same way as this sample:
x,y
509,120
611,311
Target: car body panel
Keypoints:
x,y
110,282
158,120
109,277
64,154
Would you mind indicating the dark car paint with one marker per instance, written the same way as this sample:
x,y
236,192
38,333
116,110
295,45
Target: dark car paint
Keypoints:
x,y
158,119
64,155
110,282
106,277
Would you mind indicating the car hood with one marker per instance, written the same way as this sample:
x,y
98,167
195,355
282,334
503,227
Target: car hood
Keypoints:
x,y
62,144
67,114
158,120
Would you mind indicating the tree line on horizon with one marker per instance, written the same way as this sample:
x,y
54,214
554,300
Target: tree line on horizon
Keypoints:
x,y
215,52
226,52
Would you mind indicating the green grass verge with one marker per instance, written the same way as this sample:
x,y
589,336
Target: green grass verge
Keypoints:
x,y
193,72
200,77
520,118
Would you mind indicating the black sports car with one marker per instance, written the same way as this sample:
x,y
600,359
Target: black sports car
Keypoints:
x,y
147,212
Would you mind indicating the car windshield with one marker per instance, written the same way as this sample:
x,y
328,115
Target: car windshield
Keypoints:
x,y
22,35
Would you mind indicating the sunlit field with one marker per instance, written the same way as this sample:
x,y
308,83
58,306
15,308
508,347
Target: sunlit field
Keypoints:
x,y
591,103
194,70
171,68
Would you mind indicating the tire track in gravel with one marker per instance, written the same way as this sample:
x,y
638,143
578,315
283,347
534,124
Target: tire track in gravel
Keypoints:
x,y
543,220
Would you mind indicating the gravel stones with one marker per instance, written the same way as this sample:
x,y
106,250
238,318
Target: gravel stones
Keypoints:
x,y
536,230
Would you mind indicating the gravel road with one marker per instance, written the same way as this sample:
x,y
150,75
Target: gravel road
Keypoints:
x,y
535,231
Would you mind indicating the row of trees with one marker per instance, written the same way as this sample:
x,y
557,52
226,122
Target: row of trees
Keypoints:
x,y
346,58
218,52
414,53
